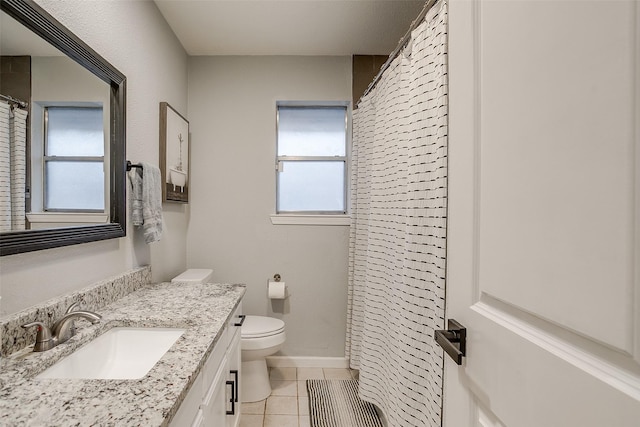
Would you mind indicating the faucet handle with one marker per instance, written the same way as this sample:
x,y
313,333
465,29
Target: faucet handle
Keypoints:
x,y
44,341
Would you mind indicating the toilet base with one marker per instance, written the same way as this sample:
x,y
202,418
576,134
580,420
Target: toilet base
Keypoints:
x,y
255,381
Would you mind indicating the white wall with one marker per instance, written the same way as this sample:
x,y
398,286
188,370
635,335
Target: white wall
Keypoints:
x,y
134,37
232,115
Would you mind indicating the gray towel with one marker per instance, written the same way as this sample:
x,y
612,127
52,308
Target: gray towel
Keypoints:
x,y
146,203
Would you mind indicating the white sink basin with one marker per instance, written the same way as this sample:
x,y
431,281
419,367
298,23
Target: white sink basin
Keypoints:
x,y
119,353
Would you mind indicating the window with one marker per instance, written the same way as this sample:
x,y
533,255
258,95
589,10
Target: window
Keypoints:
x,y
311,159
74,159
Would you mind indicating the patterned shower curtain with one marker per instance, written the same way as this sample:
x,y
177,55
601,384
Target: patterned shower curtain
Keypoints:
x,y
398,231
13,134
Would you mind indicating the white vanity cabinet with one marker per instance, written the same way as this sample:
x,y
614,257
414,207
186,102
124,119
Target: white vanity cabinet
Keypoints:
x,y
214,397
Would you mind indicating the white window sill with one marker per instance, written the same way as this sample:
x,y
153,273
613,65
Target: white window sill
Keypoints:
x,y
282,219
41,220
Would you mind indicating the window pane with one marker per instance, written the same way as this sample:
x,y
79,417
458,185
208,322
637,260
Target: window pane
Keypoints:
x,y
311,131
311,186
75,131
74,185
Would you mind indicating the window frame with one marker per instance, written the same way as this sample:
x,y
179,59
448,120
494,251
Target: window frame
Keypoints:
x,y
80,159
319,217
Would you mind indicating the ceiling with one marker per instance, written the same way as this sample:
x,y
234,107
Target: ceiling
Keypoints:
x,y
289,27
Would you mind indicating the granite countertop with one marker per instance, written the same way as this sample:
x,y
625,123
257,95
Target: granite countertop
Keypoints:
x,y
153,400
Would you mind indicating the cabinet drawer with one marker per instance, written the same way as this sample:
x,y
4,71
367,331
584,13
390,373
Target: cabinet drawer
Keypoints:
x,y
234,324
215,360
235,317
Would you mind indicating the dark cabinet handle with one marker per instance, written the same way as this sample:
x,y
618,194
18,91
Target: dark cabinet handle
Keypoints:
x,y
453,340
233,402
236,379
242,317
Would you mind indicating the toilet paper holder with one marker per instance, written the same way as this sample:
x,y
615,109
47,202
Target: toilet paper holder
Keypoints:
x,y
276,288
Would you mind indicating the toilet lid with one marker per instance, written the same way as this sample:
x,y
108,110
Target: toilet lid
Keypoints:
x,y
260,326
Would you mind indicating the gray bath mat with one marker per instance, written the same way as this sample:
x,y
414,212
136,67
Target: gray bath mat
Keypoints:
x,y
335,403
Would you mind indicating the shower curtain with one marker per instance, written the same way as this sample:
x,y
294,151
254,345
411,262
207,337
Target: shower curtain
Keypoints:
x,y
398,231
13,134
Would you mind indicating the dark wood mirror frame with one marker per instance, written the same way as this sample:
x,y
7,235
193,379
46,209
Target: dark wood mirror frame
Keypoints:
x,y
43,24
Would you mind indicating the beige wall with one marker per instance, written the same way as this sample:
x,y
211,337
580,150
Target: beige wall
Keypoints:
x,y
232,115
156,68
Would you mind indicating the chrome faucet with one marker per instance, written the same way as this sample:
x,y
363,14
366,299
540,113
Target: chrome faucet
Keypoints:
x,y
61,331
70,329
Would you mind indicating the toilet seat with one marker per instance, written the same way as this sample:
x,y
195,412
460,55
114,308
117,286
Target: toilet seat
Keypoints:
x,y
261,327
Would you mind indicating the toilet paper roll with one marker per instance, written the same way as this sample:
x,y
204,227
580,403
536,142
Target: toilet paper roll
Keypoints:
x,y
277,290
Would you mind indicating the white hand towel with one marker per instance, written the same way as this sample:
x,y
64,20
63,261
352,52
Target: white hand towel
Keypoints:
x,y
146,206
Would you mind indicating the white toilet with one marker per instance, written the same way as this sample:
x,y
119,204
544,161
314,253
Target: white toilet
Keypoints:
x,y
260,337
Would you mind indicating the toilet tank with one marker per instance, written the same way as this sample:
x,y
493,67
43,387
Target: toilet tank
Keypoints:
x,y
194,275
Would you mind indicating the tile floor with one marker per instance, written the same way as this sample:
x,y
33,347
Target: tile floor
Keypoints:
x,y
288,405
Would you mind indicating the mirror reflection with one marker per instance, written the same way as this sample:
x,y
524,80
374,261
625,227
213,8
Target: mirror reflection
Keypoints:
x,y
54,117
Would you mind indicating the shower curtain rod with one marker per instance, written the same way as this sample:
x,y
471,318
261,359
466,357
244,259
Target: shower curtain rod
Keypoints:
x,y
22,104
403,42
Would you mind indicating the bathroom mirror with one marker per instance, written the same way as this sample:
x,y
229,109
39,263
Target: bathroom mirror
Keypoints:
x,y
112,99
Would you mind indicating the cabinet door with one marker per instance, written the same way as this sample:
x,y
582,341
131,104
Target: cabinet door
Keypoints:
x,y
199,420
234,364
214,404
189,414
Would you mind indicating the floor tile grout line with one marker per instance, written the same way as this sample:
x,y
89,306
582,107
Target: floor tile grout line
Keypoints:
x,y
298,396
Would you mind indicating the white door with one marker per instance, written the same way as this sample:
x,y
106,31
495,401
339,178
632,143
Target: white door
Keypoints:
x,y
544,203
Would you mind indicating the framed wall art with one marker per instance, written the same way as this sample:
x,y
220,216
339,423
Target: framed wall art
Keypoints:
x,y
174,155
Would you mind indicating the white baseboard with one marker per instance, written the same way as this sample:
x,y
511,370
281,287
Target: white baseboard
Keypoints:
x,y
307,362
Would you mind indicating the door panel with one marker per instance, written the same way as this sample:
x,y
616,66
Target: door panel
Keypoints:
x,y
543,245
533,378
556,166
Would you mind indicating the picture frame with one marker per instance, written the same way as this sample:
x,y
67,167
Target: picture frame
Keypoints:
x,y
174,155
